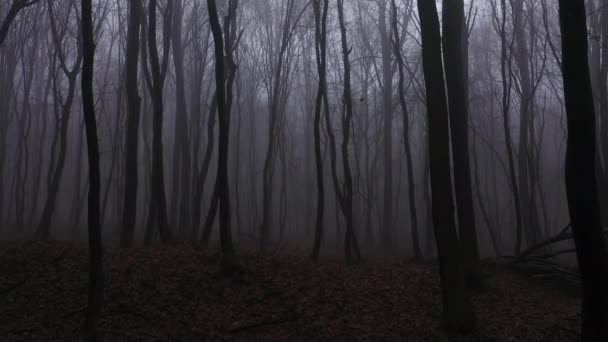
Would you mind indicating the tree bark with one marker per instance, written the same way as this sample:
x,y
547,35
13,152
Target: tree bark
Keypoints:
x,y
351,244
581,184
406,138
132,130
95,297
454,45
157,216
457,309
229,261
320,45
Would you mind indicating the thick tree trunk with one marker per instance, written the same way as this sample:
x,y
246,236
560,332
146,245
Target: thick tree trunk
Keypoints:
x,y
157,216
454,45
581,185
457,309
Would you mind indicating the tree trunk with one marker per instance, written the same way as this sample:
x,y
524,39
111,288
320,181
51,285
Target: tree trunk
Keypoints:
x,y
350,243
158,201
457,309
129,213
454,45
181,155
406,138
320,39
95,297
387,101
229,261
581,184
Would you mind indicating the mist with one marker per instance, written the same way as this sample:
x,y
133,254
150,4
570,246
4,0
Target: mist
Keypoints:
x,y
460,142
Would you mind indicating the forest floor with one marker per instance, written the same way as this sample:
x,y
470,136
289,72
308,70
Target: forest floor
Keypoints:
x,y
177,293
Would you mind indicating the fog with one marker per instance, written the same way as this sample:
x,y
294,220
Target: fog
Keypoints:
x,y
326,118
36,99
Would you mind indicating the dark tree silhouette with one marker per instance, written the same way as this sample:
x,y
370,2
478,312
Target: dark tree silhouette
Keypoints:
x,y
157,215
457,310
60,139
454,57
16,6
95,299
320,16
229,261
581,184
411,185
132,131
351,244
182,162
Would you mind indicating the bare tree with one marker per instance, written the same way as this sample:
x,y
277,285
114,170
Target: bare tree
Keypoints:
x,y
181,155
454,53
16,7
157,215
406,130
229,260
61,134
581,184
95,297
457,309
132,132
320,51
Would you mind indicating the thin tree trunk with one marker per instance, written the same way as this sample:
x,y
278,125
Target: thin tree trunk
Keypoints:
x,y
229,260
350,242
406,139
320,31
95,296
129,212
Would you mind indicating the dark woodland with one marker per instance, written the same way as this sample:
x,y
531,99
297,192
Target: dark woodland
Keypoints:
x,y
317,170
